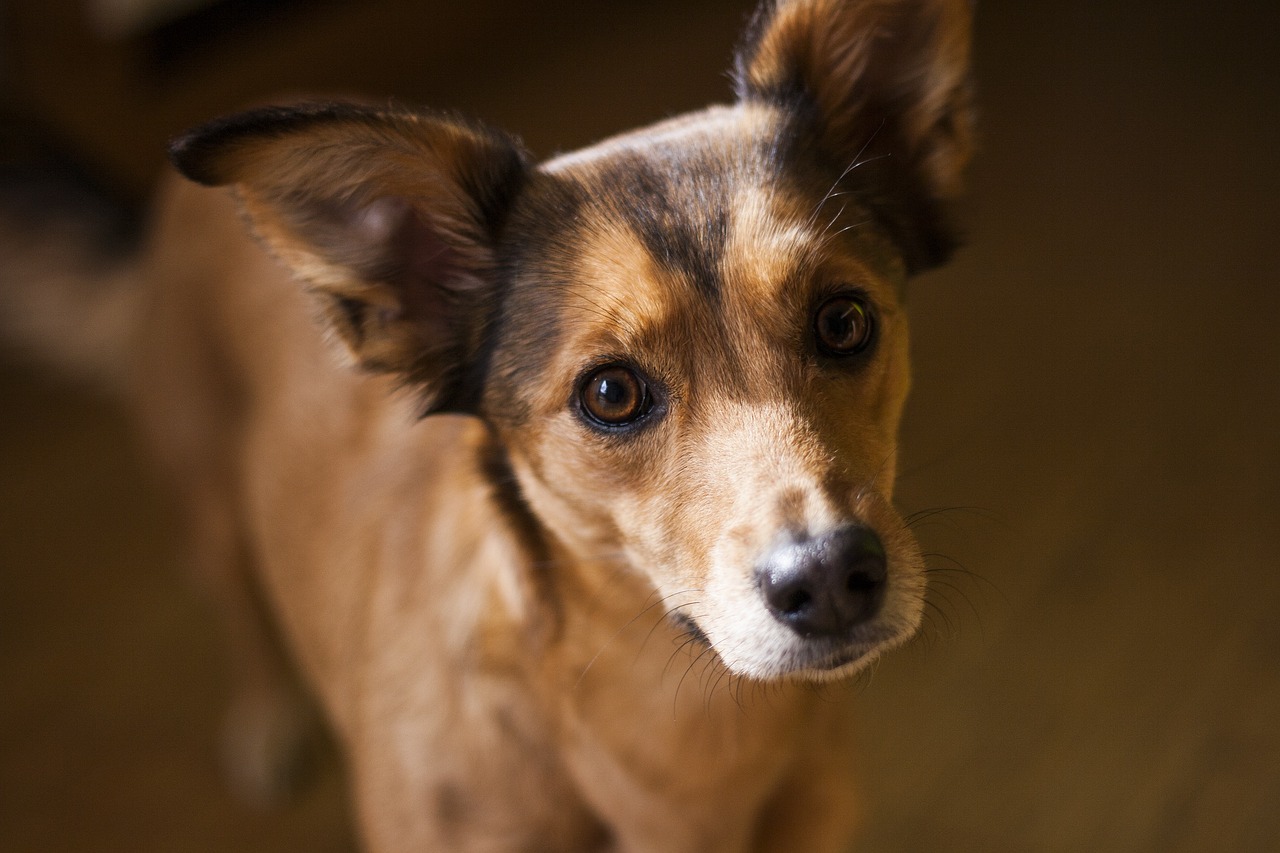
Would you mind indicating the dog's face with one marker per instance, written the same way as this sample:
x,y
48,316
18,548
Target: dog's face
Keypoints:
x,y
690,339
701,364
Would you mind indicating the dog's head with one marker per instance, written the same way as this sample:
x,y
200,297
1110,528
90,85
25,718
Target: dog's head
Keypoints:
x,y
690,339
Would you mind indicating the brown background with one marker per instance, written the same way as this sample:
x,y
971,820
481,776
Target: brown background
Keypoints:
x,y
1097,394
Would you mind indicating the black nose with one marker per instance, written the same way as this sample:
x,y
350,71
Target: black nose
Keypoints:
x,y
826,585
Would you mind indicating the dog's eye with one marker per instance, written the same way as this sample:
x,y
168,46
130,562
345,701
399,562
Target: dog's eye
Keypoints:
x,y
843,325
614,396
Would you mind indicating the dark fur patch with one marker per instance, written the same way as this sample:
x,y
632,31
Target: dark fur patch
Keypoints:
x,y
681,214
885,182
746,54
509,501
783,61
197,152
350,318
536,265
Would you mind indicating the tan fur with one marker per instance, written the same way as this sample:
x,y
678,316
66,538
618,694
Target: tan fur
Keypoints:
x,y
493,608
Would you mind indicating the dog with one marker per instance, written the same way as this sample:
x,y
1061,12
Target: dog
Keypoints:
x,y
597,495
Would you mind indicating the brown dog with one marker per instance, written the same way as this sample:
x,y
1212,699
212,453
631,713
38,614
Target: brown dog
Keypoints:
x,y
663,378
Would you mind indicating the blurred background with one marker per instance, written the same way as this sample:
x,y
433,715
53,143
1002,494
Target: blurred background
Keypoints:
x,y
1096,415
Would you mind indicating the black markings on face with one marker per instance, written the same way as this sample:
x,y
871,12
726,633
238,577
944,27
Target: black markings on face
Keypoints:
x,y
679,211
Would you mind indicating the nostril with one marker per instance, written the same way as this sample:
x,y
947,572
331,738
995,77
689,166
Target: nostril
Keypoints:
x,y
794,601
860,582
785,585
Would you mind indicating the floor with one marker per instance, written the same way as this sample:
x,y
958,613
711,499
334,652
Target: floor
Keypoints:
x,y
1096,413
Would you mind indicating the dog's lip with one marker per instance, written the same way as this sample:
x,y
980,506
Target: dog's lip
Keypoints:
x,y
844,657
685,622
833,664
830,653
821,658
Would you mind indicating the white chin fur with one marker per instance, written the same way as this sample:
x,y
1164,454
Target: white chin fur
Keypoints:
x,y
797,659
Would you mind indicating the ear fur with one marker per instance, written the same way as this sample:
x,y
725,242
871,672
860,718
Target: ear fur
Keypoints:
x,y
390,216
886,84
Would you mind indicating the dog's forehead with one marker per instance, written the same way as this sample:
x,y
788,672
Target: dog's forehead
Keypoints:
x,y
697,208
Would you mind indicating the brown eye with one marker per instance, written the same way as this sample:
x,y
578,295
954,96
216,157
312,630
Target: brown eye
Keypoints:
x,y
843,325
614,396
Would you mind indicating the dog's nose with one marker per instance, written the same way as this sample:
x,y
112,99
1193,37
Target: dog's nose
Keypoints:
x,y
824,586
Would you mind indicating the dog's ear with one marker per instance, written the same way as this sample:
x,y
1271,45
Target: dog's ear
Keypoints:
x,y
390,217
885,82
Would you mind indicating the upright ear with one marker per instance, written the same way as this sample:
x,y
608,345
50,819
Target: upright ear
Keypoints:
x,y
391,217
886,84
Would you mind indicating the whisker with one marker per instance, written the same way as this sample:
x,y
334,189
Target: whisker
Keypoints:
x,y
958,568
662,618
927,638
866,676
942,614
649,606
675,698
934,512
853,164
827,238
689,638
940,582
839,213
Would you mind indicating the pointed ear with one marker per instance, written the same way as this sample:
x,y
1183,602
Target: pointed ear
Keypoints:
x,y
390,217
884,82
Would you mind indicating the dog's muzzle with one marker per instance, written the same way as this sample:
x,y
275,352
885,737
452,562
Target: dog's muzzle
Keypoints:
x,y
824,587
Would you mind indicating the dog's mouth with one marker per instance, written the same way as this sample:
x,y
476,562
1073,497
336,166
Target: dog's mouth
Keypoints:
x,y
857,650
685,624
820,659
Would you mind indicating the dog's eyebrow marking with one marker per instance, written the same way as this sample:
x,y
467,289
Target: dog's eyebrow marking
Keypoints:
x,y
679,211
766,241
